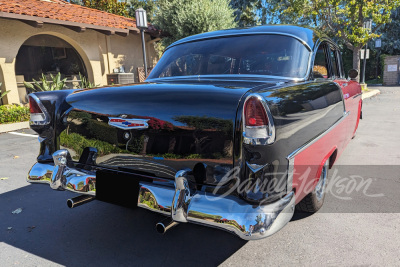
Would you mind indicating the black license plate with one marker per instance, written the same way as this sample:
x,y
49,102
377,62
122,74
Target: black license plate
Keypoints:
x,y
117,188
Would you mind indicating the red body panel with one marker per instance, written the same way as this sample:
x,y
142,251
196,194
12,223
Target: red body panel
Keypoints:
x,y
308,163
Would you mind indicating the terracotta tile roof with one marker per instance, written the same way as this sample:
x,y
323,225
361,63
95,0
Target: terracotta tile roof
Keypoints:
x,y
63,11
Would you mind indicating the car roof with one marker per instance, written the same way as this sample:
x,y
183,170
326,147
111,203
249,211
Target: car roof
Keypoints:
x,y
310,37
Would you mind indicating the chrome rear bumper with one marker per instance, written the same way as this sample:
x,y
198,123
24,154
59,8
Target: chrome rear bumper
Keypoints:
x,y
183,205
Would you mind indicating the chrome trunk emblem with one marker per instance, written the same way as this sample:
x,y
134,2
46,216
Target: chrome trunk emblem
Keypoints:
x,y
127,124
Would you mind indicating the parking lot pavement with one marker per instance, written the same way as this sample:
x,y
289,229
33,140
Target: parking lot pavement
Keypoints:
x,y
362,230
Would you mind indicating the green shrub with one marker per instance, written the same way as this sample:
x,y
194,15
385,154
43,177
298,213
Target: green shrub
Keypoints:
x,y
13,113
193,156
102,131
136,144
171,156
78,142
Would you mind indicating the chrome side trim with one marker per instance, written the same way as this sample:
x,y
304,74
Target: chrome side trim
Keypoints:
x,y
271,127
341,93
305,146
291,156
357,95
289,184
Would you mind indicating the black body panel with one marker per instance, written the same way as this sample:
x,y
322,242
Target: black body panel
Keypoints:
x,y
301,112
191,123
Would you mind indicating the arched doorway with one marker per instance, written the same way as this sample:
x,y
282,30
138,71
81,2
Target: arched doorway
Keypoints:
x,y
47,54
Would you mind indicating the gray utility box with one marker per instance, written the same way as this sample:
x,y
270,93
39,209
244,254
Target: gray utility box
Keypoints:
x,y
120,78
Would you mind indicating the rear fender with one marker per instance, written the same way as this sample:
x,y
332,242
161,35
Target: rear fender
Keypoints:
x,y
321,165
56,106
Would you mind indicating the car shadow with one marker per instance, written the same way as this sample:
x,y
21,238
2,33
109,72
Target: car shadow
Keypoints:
x,y
299,215
103,234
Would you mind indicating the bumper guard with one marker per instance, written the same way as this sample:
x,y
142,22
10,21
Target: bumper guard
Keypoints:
x,y
229,213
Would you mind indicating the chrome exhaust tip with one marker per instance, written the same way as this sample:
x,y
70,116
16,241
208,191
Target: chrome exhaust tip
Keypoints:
x,y
166,224
79,200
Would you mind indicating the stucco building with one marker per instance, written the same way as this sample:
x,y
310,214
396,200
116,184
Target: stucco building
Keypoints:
x,y
51,36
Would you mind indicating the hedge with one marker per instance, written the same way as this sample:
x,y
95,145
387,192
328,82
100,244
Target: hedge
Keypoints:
x,y
78,142
13,113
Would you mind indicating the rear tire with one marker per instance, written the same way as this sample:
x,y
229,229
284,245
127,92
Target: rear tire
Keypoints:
x,y
314,200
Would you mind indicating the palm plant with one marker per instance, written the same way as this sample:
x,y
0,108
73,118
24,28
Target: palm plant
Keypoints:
x,y
4,93
44,85
85,83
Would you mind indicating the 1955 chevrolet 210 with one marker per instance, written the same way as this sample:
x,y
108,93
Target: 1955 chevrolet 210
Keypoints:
x,y
232,129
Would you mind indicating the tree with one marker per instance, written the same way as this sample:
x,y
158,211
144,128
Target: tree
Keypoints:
x,y
149,5
245,11
182,18
343,19
391,35
110,6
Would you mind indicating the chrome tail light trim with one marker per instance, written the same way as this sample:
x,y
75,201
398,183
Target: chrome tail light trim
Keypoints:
x,y
270,129
43,121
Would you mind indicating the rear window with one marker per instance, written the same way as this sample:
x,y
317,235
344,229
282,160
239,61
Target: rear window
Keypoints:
x,y
271,55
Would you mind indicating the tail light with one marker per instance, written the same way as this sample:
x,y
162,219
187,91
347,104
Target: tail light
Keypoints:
x,y
39,115
258,127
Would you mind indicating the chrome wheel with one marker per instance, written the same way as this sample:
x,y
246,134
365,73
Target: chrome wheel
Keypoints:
x,y
320,187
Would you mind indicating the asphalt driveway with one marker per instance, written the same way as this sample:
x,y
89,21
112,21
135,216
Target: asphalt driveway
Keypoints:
x,y
358,225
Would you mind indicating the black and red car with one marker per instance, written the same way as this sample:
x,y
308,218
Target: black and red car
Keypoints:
x,y
232,129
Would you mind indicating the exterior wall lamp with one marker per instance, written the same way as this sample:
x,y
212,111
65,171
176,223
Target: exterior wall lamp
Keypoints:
x,y
141,23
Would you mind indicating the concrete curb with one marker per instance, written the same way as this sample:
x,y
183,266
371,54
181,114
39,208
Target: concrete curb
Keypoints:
x,y
4,128
370,94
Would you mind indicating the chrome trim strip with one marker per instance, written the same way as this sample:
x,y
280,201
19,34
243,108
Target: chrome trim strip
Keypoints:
x,y
271,127
357,95
341,93
291,157
183,41
226,78
289,185
300,149
255,167
310,57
